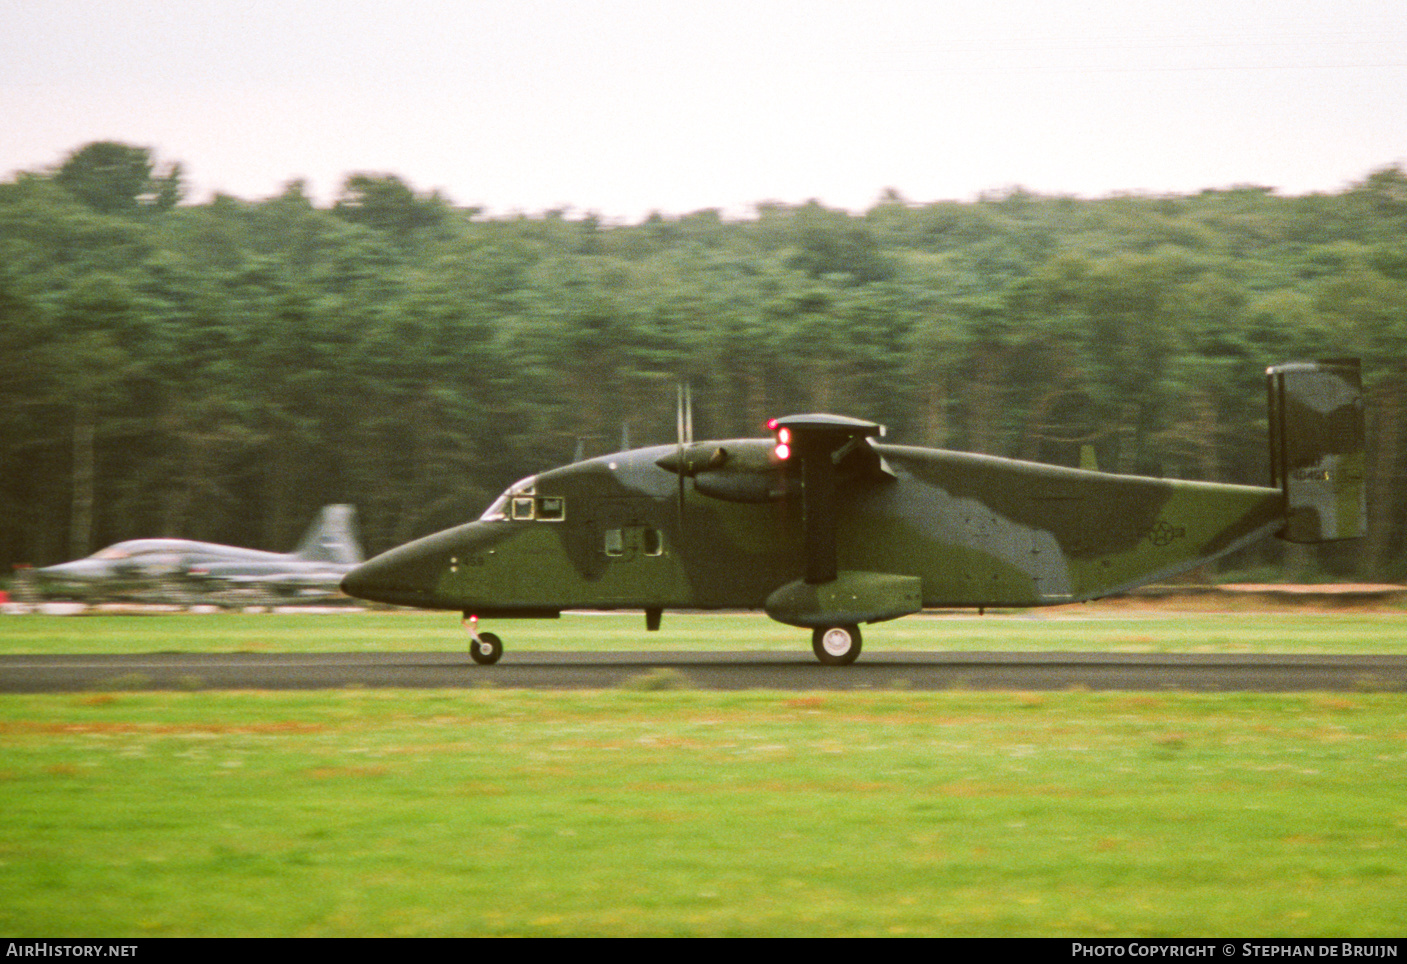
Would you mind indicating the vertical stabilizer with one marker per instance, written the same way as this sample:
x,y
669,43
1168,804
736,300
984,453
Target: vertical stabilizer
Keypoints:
x,y
332,537
1316,448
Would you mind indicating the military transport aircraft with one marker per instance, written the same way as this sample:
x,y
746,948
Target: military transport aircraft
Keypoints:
x,y
329,550
826,528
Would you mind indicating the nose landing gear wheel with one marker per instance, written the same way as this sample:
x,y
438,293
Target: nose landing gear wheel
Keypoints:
x,y
836,645
486,649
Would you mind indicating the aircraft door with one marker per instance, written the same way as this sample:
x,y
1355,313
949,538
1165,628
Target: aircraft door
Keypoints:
x,y
638,566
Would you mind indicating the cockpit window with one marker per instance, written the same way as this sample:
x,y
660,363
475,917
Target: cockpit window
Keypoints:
x,y
521,503
501,505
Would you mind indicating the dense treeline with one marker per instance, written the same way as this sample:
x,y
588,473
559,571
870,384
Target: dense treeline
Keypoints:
x,y
221,370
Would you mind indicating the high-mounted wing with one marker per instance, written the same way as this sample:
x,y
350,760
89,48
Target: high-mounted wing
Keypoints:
x,y
825,446
833,602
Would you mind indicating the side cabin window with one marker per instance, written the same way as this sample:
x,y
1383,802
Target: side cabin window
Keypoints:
x,y
633,541
615,542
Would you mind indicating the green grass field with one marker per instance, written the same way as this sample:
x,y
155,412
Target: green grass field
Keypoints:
x,y
684,813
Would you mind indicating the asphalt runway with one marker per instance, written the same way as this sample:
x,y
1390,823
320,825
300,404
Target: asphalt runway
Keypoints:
x,y
708,671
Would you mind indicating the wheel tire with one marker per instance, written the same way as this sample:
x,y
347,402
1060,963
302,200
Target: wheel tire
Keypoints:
x,y
836,645
486,649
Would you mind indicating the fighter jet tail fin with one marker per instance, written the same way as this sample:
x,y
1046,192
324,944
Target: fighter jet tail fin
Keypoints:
x,y
1316,448
332,537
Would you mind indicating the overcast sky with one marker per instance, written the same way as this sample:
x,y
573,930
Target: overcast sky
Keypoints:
x,y
623,107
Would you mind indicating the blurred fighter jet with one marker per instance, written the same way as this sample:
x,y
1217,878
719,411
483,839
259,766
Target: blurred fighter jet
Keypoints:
x,y
328,551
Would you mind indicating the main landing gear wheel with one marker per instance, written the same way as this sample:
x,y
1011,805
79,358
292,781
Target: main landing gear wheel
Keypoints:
x,y
486,649
836,645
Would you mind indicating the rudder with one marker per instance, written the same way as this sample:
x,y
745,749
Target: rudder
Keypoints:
x,y
332,537
1316,448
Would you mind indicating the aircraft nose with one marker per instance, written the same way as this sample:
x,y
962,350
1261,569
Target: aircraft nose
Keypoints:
x,y
409,575
78,569
388,581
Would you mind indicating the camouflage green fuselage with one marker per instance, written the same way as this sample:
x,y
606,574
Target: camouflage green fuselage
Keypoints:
x,y
622,532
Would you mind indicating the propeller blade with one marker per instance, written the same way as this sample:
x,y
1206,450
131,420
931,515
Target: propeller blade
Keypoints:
x,y
684,430
688,413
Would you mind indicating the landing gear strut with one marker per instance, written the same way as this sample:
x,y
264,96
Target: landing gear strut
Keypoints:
x,y
836,645
484,648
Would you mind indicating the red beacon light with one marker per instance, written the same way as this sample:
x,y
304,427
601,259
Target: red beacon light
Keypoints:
x,y
783,448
